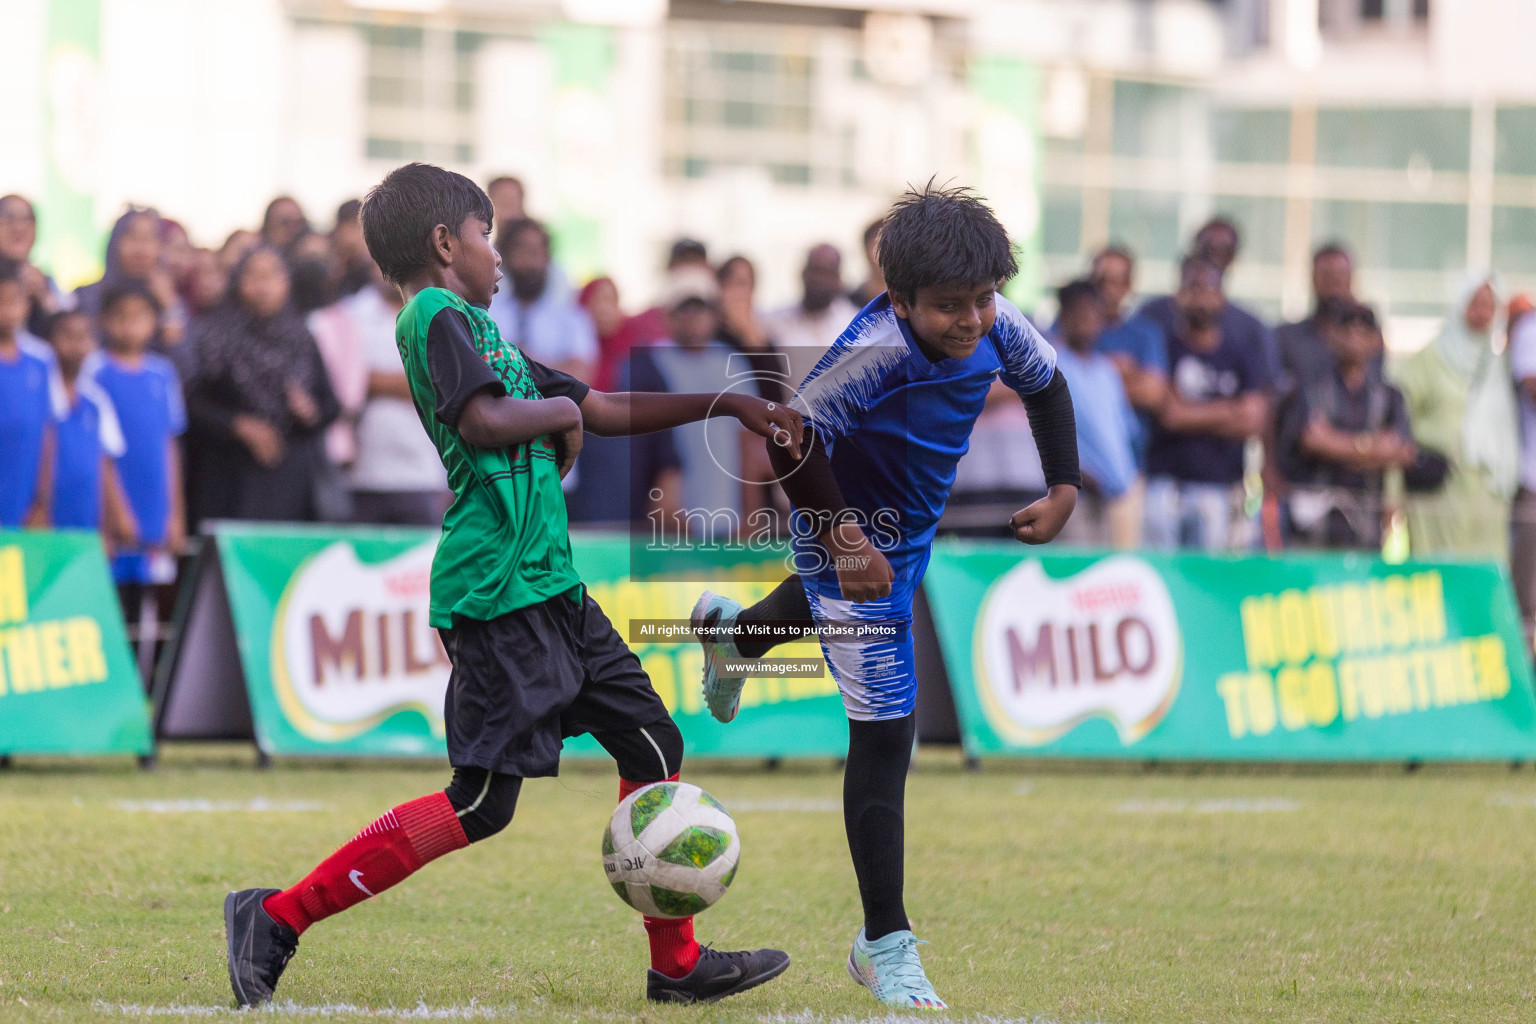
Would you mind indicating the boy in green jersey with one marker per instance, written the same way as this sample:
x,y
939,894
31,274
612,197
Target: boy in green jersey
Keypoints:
x,y
534,658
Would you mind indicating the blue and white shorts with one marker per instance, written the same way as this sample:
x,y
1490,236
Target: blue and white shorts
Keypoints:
x,y
874,667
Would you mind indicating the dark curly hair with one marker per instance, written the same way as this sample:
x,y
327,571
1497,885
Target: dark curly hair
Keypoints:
x,y
400,212
936,235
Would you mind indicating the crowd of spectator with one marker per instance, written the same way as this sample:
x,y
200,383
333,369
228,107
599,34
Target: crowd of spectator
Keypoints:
x,y
1200,427
261,381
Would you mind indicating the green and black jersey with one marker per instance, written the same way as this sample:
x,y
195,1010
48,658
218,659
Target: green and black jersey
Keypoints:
x,y
505,543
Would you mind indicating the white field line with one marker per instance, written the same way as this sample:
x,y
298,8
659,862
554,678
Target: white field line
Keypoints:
x,y
1513,800
420,1011
1024,789
474,1011
798,806
1226,805
201,806
808,1017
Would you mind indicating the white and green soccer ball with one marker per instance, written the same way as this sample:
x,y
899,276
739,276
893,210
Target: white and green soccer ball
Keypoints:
x,y
670,850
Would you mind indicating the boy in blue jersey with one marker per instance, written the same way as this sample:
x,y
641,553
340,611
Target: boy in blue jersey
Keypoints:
x,y
87,438
146,390
26,414
889,410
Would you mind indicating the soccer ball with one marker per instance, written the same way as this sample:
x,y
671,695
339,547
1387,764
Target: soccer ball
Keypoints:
x,y
670,850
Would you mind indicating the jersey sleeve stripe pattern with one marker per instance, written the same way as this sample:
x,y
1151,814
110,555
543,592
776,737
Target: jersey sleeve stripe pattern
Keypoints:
x,y
110,428
1028,359
846,380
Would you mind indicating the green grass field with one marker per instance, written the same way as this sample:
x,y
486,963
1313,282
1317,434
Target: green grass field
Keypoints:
x,y
1057,894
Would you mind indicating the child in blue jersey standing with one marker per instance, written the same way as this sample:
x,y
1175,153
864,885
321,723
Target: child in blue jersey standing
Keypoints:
x,y
26,414
146,390
889,411
87,438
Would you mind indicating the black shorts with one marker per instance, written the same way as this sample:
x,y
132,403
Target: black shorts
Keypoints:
x,y
523,682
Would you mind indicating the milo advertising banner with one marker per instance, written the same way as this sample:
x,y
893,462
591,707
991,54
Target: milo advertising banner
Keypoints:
x,y
68,683
316,641
1192,657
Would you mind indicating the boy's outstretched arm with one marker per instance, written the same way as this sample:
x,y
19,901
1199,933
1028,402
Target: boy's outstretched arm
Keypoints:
x,y
640,412
1054,426
622,413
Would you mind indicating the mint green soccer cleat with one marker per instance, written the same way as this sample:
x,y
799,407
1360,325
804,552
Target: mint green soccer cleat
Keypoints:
x,y
889,968
721,692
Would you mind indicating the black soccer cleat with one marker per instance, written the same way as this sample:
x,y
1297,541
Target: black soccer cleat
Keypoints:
x,y
717,975
259,947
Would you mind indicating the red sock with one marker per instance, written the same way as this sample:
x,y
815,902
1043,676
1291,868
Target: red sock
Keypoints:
x,y
381,855
674,950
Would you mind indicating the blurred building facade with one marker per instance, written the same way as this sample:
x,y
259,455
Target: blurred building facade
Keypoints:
x,y
766,127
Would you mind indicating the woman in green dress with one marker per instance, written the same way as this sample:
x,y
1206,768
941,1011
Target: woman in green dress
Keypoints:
x,y
1461,402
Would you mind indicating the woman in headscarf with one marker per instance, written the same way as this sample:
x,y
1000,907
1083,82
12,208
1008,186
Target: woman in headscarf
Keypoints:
x,y
258,403
133,255
1461,403
741,326
18,234
206,284
617,332
240,242
284,224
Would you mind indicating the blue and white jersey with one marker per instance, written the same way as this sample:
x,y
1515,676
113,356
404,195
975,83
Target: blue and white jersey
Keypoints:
x,y
58,395
82,437
149,406
26,416
895,424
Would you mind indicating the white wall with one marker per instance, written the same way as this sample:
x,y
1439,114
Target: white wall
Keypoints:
x,y
23,161
630,198
1185,35
187,109
515,78
193,109
1484,47
321,156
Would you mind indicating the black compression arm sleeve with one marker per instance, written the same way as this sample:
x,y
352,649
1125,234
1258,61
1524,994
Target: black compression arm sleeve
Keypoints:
x,y
1052,422
809,483
554,384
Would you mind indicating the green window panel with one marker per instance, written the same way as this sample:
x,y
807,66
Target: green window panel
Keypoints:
x,y
1154,120
1395,138
1147,223
420,93
1514,239
1251,136
1515,140
1061,221
1397,236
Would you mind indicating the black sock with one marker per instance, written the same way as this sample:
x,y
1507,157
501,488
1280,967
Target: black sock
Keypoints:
x,y
874,787
784,609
